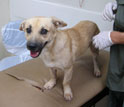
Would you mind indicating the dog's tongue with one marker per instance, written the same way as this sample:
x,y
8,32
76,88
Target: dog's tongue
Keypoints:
x,y
34,54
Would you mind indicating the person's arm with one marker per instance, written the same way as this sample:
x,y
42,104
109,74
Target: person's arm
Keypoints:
x,y
117,37
107,39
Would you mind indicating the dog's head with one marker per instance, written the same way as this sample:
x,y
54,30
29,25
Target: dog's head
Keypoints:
x,y
39,31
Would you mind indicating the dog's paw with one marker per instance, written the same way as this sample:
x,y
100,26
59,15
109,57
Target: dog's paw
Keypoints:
x,y
97,73
50,84
68,96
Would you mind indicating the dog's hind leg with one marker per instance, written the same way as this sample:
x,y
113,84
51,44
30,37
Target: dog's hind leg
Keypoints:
x,y
95,53
52,82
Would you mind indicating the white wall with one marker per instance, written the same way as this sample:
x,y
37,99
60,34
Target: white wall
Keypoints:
x,y
4,18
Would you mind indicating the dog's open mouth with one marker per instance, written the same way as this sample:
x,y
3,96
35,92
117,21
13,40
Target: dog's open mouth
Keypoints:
x,y
35,54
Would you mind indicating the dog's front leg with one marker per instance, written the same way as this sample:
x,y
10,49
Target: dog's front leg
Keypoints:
x,y
66,83
51,83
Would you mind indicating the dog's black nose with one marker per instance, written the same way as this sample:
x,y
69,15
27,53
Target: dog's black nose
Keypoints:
x,y
32,46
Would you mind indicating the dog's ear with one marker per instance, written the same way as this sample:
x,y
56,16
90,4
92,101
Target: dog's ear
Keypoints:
x,y
22,26
58,23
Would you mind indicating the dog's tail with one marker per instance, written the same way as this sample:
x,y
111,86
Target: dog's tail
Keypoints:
x,y
97,30
92,47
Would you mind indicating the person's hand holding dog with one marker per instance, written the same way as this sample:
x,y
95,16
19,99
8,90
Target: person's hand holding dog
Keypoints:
x,y
102,40
108,38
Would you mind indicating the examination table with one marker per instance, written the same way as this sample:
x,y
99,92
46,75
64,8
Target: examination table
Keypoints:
x,y
87,89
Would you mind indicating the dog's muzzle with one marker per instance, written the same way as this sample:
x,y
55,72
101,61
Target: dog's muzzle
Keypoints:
x,y
35,48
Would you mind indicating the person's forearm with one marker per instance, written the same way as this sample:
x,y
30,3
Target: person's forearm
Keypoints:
x,y
117,37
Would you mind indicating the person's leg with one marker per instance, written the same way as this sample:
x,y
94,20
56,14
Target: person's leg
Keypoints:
x,y
120,98
112,102
123,103
115,99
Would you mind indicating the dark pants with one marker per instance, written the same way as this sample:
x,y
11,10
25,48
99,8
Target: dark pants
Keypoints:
x,y
116,99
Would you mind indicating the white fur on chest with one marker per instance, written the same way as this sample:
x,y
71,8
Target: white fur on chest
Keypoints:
x,y
57,59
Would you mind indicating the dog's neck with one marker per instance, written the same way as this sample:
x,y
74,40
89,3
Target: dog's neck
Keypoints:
x,y
60,39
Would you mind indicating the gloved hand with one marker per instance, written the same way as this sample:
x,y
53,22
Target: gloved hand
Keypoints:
x,y
108,11
102,40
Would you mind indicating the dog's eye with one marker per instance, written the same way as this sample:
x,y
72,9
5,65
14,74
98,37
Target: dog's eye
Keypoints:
x,y
28,30
43,31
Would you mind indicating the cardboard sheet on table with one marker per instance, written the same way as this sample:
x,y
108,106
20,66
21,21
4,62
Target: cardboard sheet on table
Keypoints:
x,y
15,93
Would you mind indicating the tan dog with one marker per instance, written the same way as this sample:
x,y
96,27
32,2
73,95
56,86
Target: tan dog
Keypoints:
x,y
60,48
